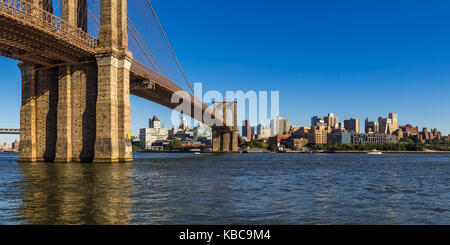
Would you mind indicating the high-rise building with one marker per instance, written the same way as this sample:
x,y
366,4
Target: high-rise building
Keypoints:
x,y
315,120
285,128
371,126
150,135
273,127
318,135
388,125
183,124
265,132
352,124
154,122
279,126
247,129
258,129
202,131
15,145
283,125
262,132
332,121
394,119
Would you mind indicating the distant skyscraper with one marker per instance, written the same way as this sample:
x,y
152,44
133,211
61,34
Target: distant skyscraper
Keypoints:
x,y
394,118
183,124
273,127
259,129
15,145
352,124
154,122
283,125
247,129
388,125
149,135
332,121
263,131
202,131
315,120
371,126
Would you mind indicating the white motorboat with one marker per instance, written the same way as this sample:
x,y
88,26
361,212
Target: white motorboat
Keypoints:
x,y
374,152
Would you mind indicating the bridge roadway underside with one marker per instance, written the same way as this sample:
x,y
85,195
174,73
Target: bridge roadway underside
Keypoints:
x,y
22,41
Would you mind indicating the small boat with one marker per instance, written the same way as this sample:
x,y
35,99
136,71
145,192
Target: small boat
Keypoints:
x,y
197,153
374,152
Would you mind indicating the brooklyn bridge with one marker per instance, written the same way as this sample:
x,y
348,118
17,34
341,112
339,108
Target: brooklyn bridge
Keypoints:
x,y
78,69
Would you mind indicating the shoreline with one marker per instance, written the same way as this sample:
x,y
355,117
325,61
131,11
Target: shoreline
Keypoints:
x,y
294,152
394,152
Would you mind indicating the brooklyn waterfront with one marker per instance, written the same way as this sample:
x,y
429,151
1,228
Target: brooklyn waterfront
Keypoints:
x,y
186,188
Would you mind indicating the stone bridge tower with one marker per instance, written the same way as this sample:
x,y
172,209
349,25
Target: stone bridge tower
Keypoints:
x,y
80,112
225,138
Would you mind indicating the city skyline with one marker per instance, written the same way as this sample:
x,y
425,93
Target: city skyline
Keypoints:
x,y
398,63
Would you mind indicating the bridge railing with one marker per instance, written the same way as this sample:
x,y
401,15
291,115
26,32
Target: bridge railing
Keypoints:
x,y
38,17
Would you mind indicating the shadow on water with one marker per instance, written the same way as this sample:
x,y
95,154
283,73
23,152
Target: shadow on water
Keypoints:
x,y
76,193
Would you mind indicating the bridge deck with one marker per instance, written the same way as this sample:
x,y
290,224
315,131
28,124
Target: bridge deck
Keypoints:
x,y
31,34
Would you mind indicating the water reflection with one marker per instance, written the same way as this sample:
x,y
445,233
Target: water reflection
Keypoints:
x,y
230,189
75,193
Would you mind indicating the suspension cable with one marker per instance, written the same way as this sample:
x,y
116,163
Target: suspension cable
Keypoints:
x,y
148,50
90,13
140,46
137,41
168,44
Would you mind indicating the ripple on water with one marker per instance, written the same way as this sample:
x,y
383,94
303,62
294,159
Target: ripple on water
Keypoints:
x,y
230,189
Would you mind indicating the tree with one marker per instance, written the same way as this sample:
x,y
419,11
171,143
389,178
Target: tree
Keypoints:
x,y
272,148
136,148
254,144
175,144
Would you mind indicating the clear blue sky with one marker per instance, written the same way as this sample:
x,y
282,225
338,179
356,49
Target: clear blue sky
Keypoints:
x,y
353,58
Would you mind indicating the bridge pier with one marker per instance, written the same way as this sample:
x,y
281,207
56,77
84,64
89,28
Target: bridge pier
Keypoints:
x,y
225,138
27,147
64,119
113,140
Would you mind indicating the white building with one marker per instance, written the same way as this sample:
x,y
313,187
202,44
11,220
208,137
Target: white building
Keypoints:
x,y
273,127
203,131
183,124
149,135
388,125
265,132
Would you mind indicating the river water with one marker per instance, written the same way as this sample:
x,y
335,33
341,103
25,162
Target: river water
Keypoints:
x,y
230,189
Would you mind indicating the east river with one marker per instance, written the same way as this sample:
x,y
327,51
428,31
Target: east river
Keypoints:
x,y
230,189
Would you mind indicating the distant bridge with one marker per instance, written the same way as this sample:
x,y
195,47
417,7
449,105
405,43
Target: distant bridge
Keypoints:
x,y
9,131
